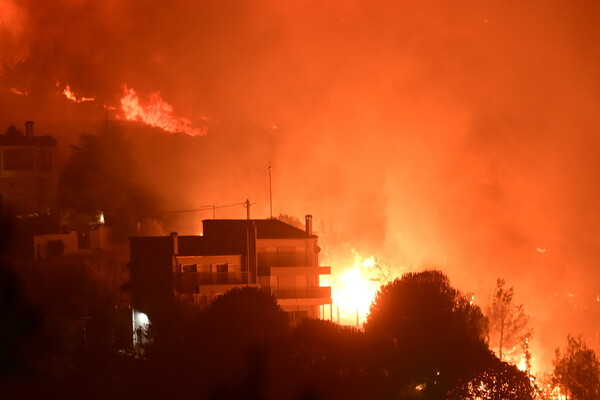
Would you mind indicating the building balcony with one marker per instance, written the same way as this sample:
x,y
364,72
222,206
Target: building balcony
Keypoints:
x,y
304,295
190,282
299,270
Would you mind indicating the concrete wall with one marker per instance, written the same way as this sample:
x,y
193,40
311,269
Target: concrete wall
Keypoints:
x,y
99,239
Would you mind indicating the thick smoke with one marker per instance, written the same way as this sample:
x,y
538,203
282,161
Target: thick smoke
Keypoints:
x,y
458,135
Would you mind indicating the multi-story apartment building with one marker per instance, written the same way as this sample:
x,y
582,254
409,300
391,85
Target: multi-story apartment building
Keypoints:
x,y
265,253
28,171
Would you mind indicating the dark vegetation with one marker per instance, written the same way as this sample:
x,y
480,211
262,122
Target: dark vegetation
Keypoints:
x,y
101,176
508,322
423,340
576,370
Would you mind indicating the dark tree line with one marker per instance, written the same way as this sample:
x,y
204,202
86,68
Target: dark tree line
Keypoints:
x,y
423,340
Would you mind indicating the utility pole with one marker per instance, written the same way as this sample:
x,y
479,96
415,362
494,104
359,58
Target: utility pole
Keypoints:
x,y
247,205
270,192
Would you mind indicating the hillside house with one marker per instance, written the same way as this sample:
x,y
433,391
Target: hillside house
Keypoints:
x,y
265,253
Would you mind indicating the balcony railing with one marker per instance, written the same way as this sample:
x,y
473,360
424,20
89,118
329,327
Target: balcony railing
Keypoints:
x,y
190,282
302,293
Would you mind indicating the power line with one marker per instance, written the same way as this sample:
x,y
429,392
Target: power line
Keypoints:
x,y
199,209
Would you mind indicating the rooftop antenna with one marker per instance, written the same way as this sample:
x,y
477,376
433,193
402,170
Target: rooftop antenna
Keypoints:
x,y
270,192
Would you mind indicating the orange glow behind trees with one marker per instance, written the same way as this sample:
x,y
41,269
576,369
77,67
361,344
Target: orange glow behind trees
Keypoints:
x,y
354,288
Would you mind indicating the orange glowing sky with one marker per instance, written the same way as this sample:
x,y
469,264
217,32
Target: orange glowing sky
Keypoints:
x,y
452,134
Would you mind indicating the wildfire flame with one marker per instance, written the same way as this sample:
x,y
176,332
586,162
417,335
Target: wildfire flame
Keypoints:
x,y
354,289
156,112
69,94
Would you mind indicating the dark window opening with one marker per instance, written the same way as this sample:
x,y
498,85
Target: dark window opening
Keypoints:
x,y
222,273
190,268
222,268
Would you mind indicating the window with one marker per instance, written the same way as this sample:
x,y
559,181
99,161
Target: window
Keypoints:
x,y
301,258
222,273
190,268
286,256
222,268
267,257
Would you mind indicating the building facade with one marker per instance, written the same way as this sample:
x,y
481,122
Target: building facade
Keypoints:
x,y
28,171
264,253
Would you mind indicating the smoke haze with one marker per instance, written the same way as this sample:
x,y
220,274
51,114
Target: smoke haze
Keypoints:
x,y
450,134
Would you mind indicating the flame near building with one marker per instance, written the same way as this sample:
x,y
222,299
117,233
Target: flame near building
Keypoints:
x,y
354,286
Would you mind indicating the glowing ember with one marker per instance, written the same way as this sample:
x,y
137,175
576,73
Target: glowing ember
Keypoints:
x,y
69,94
156,112
354,288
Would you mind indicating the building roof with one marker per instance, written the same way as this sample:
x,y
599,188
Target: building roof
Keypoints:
x,y
220,237
21,140
265,228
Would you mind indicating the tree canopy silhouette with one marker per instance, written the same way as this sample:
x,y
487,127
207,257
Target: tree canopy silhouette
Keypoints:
x,y
435,335
499,381
339,353
507,322
577,370
100,176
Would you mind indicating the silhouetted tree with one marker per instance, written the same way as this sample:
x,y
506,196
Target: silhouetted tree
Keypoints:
x,y
77,305
291,220
499,381
248,314
435,335
230,349
331,360
101,174
12,130
577,370
507,322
